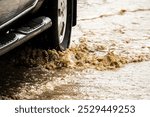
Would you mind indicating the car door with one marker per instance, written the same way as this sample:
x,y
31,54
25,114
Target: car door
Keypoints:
x,y
8,10
25,4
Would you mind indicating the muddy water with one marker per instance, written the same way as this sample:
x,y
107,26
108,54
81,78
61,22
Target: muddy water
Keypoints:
x,y
100,63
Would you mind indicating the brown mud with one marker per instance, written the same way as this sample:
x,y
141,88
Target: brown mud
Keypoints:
x,y
80,56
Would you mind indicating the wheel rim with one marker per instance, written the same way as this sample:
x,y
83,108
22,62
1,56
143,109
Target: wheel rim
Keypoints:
x,y
62,19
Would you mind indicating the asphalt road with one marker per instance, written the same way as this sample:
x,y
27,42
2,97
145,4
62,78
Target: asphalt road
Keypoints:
x,y
108,58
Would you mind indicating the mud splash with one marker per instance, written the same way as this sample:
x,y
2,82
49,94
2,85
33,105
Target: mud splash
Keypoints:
x,y
81,56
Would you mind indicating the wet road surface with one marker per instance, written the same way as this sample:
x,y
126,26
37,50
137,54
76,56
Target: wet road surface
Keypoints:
x,y
108,58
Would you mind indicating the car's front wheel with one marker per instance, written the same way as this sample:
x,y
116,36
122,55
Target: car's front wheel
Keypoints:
x,y
60,12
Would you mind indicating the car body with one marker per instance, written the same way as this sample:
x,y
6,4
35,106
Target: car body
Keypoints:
x,y
21,20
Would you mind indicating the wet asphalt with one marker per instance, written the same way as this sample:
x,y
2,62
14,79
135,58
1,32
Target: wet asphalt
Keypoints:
x,y
106,26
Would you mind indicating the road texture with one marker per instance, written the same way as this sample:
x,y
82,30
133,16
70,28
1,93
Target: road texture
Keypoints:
x,y
108,58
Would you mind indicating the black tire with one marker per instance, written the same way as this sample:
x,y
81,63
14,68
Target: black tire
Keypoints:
x,y
53,39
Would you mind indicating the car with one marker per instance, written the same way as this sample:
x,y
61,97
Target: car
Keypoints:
x,y
21,20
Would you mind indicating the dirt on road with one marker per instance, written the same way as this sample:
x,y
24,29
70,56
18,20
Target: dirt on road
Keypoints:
x,y
108,58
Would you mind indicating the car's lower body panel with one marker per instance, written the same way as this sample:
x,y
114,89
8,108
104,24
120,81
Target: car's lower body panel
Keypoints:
x,y
16,37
